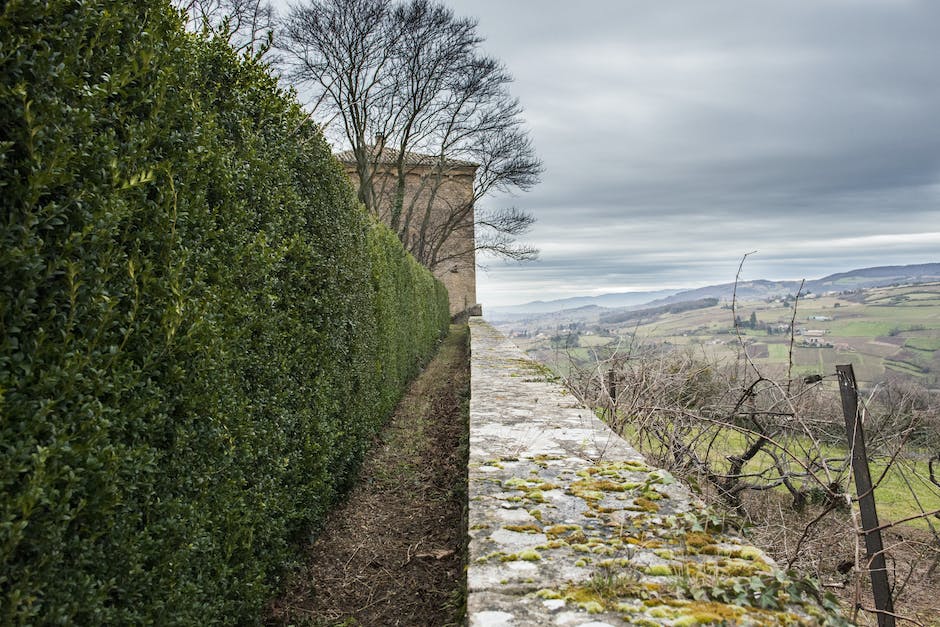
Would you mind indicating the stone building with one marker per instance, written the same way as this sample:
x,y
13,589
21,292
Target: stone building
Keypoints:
x,y
436,217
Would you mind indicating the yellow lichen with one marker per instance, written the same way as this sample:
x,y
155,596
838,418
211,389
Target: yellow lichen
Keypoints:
x,y
557,530
530,528
591,607
536,496
492,555
577,537
645,505
709,611
515,483
546,486
619,562
651,543
698,539
529,555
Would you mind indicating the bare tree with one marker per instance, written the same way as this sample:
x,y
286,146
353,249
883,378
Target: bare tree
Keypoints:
x,y
247,24
406,87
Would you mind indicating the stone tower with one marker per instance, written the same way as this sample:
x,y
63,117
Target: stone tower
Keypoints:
x,y
437,217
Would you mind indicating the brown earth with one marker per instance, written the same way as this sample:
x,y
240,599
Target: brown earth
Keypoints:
x,y
394,553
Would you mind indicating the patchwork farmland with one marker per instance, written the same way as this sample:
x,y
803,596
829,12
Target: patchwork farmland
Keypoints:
x,y
883,332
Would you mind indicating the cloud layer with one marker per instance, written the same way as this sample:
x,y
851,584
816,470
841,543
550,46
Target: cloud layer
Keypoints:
x,y
678,136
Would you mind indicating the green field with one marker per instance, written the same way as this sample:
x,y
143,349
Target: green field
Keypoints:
x,y
905,490
884,332
923,343
881,332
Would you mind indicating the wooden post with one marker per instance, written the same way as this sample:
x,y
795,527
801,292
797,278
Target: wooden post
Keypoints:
x,y
874,548
612,387
611,409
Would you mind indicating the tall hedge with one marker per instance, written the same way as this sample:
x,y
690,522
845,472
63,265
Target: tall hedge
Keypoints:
x,y
200,327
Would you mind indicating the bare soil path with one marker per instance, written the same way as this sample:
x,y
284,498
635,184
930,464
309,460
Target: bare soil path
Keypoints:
x,y
394,552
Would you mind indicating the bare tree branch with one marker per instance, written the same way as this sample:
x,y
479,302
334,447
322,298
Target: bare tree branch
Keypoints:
x,y
407,88
248,25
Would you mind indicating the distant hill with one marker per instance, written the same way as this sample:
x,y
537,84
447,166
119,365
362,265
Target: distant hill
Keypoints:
x,y
591,306
879,276
624,299
652,312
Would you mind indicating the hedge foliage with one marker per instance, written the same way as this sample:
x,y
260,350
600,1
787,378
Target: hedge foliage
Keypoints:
x,y
201,329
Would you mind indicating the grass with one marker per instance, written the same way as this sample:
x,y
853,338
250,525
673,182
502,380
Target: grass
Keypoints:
x,y
860,328
923,343
895,499
906,484
903,366
594,340
858,331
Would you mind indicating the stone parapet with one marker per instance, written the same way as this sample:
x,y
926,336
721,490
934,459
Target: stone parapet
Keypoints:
x,y
568,524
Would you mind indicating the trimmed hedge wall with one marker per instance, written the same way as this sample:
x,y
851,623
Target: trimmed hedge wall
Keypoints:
x,y
201,329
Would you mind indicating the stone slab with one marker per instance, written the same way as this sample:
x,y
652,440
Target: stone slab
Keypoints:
x,y
569,525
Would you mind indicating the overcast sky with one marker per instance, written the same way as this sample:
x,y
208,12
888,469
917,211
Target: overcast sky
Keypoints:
x,y
678,135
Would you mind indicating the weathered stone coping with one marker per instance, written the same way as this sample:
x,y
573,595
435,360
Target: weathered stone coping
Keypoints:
x,y
569,525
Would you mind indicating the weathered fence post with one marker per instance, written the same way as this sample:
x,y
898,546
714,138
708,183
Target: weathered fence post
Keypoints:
x,y
612,386
874,548
611,396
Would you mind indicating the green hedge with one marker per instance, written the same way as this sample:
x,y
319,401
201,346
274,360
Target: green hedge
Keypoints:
x,y
201,330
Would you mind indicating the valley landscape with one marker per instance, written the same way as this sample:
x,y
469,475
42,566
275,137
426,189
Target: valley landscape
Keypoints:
x,y
885,323
734,388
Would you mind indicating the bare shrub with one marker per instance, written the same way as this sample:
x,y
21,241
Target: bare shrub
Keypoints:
x,y
772,449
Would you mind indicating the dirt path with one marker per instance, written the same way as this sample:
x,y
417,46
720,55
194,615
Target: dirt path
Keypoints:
x,y
394,553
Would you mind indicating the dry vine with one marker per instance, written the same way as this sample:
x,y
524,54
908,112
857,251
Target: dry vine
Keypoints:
x,y
773,450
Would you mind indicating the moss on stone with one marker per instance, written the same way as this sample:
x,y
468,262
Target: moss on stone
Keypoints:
x,y
535,496
643,504
493,555
698,539
530,528
591,607
530,555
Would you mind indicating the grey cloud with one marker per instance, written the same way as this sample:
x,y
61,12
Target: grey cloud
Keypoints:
x,y
679,135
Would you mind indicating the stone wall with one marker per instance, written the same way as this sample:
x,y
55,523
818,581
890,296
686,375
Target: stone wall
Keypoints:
x,y
433,203
569,525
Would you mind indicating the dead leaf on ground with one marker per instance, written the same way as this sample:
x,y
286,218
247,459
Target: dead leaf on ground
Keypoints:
x,y
437,554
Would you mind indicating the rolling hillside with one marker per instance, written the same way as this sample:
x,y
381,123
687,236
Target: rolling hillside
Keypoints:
x,y
879,276
883,332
